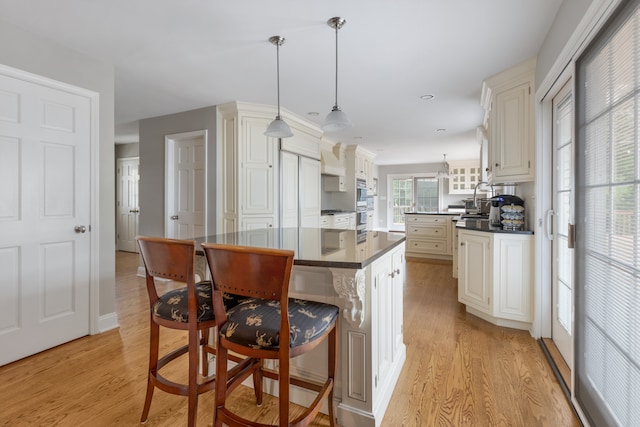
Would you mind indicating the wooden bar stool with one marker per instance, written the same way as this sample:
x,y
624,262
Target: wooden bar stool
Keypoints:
x,y
269,325
187,308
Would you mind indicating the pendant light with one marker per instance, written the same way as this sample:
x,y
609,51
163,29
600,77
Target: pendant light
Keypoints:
x,y
336,120
444,172
278,127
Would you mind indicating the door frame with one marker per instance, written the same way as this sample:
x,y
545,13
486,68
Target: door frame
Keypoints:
x,y
543,299
96,323
169,173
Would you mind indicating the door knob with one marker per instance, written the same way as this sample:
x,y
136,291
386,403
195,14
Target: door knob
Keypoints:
x,y
174,217
80,228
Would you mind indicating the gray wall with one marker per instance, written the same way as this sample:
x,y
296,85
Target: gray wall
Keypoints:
x,y
127,150
152,158
26,51
567,19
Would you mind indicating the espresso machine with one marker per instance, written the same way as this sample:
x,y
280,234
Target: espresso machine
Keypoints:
x,y
507,212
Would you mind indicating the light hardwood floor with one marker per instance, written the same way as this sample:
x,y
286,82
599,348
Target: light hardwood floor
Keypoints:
x,y
460,370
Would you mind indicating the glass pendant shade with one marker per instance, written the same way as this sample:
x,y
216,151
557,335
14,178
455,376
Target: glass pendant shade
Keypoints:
x,y
444,173
336,121
278,128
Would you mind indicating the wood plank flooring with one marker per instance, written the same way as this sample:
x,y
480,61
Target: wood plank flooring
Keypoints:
x,y
460,370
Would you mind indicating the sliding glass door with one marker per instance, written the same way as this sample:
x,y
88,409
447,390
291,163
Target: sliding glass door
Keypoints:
x,y
607,319
562,217
411,193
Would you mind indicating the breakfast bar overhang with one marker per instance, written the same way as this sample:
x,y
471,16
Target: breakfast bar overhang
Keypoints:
x,y
362,274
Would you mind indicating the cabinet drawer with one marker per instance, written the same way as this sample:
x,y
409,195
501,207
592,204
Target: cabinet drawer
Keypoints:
x,y
427,231
340,221
429,246
325,222
427,219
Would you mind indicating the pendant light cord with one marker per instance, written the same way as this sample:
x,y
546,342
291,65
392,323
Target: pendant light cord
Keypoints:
x,y
336,104
278,74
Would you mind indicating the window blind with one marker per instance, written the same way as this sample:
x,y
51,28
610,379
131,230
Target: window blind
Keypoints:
x,y
607,292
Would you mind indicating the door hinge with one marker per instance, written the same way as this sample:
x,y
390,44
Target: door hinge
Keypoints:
x,y
529,164
375,378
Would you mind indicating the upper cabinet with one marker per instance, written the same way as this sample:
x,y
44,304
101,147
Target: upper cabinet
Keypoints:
x,y
249,170
362,160
508,99
465,174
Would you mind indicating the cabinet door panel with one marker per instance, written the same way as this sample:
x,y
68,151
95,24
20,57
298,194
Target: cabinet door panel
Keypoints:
x,y
511,132
512,274
258,185
474,264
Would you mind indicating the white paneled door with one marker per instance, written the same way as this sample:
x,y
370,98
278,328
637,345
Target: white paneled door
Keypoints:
x,y
186,185
128,206
45,208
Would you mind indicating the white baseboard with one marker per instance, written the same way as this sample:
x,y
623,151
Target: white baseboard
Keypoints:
x,y
108,322
141,272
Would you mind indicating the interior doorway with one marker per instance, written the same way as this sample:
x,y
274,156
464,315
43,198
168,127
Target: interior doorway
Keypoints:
x,y
185,185
128,208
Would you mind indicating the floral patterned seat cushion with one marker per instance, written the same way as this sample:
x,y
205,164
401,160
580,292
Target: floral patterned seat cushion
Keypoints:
x,y
173,305
256,322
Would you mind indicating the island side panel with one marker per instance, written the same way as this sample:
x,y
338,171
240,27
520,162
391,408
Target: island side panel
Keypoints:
x,y
372,351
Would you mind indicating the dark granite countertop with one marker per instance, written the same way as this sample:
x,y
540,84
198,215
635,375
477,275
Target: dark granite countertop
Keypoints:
x,y
315,247
433,213
483,225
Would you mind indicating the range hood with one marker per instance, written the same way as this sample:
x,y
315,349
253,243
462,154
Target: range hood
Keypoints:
x,y
330,164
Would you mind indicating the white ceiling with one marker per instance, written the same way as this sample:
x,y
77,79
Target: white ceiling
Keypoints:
x,y
171,56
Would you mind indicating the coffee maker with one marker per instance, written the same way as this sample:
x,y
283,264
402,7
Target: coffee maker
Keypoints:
x,y
507,212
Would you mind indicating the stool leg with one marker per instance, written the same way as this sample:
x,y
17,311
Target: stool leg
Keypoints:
x,y
221,382
194,357
283,398
331,371
257,383
205,358
154,344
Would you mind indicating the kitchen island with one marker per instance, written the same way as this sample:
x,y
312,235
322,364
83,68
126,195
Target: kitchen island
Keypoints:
x,y
363,275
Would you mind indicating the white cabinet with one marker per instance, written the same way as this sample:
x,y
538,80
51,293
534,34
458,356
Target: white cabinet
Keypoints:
x,y
512,277
300,200
258,167
325,221
388,277
474,286
454,248
509,96
248,170
360,164
494,277
340,221
464,176
428,236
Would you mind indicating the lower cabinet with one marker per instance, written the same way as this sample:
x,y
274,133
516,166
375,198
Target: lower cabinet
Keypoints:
x,y
428,236
494,277
388,278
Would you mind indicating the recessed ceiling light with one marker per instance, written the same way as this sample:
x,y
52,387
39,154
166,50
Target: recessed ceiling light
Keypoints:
x,y
441,130
427,97
313,113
